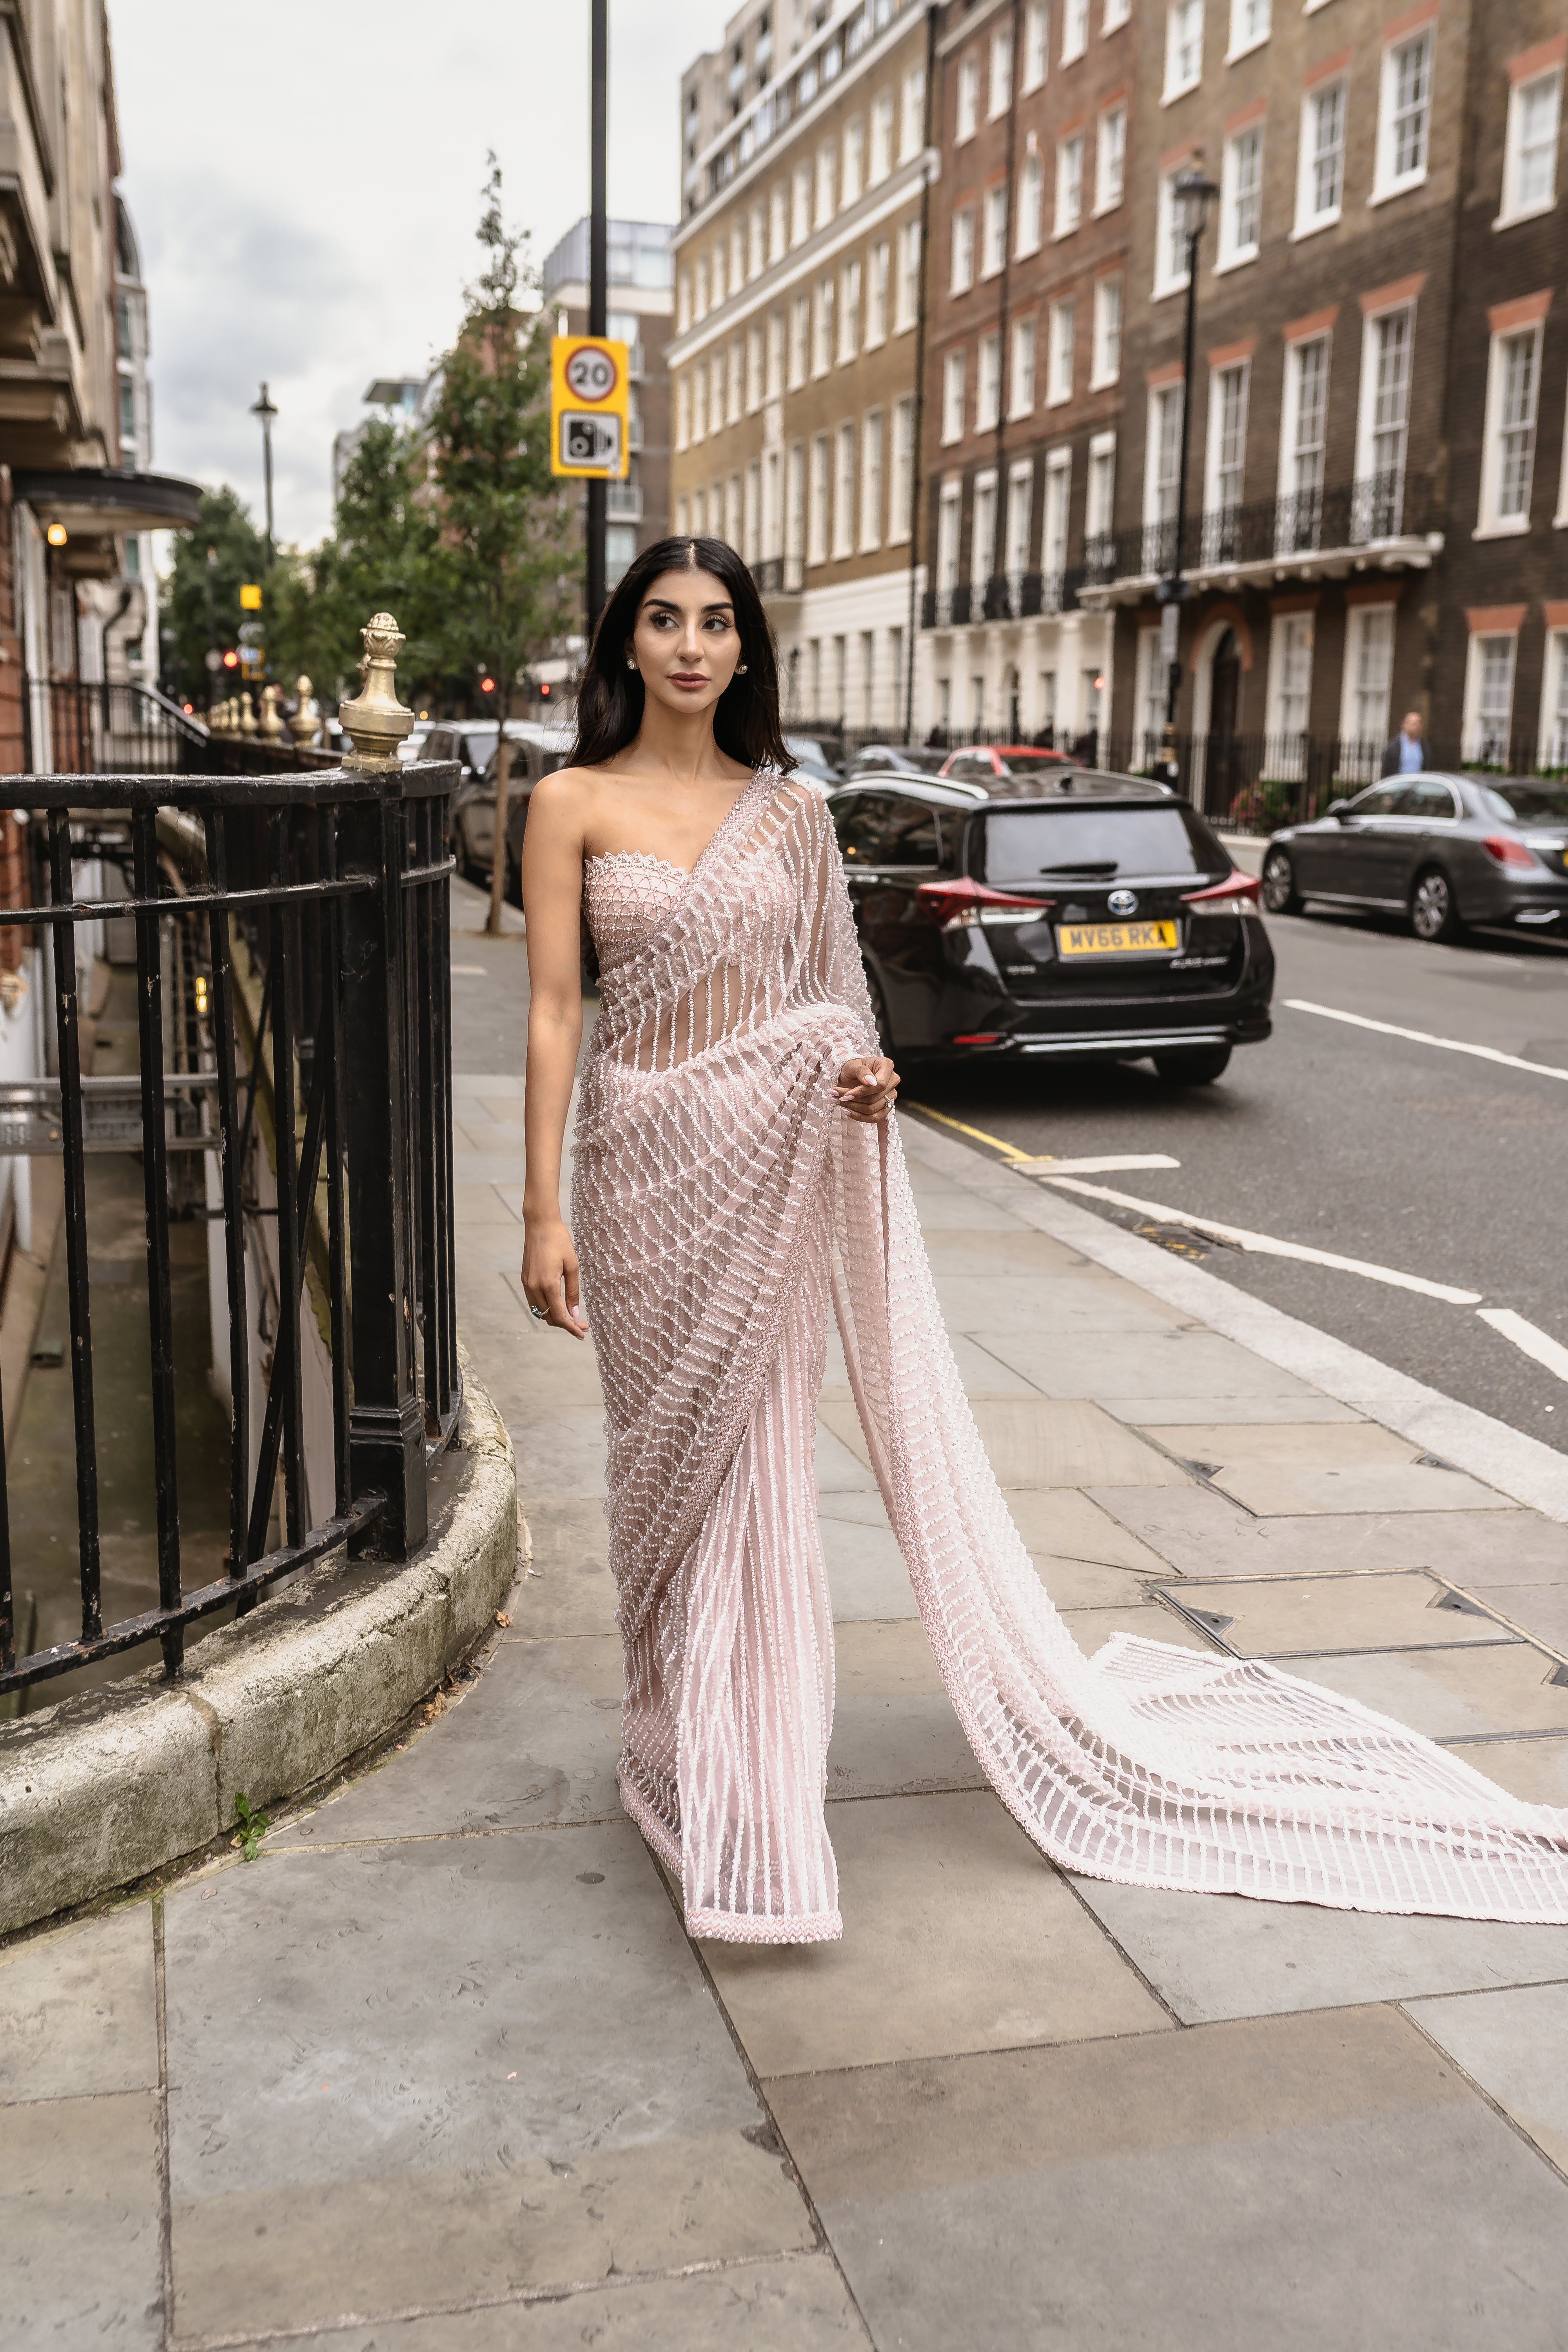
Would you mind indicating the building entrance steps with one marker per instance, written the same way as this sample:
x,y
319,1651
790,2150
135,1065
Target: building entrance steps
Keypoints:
x,y
485,2092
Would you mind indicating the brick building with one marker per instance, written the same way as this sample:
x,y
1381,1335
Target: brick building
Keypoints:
x,y
795,363
1029,269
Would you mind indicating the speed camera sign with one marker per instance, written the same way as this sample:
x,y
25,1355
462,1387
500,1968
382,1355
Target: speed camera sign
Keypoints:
x,y
590,407
589,443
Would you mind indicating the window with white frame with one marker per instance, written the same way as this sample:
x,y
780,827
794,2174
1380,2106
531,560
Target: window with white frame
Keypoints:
x,y
700,408
953,397
1289,677
963,271
683,303
1369,674
757,256
821,358
1059,358
873,434
702,277
1388,348
1172,256
1305,434
1020,499
1241,198
1152,686
1049,703
1036,44
1320,180
999,92
683,517
1109,158
1163,457
1069,185
1529,150
794,511
1105,359
1075,30
982,531
877,309
718,274
1405,115
881,139
800,205
967,119
849,312
901,501
993,250
755,350
844,495
1250,24
1183,46
778,221
988,383
1031,191
909,275
854,178
737,379
753,513
1053,523
1021,370
912,116
1117,12
737,255
800,340
1488,698
1513,382
1555,702
1224,474
683,410
1100,502
775,355
816,502
720,383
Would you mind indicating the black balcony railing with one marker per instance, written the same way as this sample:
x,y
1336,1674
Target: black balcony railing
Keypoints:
x,y
77,729
777,575
1349,516
315,908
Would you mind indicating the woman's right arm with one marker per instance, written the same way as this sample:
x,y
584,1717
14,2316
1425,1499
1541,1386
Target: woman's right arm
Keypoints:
x,y
551,904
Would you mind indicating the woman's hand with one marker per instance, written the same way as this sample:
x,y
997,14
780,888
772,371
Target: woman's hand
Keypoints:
x,y
550,1275
866,1087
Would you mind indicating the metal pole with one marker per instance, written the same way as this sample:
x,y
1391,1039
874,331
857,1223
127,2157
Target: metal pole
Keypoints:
x,y
263,409
1176,580
598,287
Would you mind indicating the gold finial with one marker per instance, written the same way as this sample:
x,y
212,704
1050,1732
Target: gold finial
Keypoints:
x,y
247,715
272,721
303,726
375,719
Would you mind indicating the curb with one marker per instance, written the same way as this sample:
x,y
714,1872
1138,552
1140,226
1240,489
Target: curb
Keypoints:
x,y
99,1789
1505,1459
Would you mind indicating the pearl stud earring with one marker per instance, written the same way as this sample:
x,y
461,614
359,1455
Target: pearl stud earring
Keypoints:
x,y
630,664
739,669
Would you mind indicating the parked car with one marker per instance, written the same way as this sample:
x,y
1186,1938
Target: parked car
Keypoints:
x,y
978,762
1074,916
469,742
413,744
813,760
1445,850
894,760
535,751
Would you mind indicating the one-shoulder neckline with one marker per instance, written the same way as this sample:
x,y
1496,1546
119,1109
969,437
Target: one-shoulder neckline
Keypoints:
x,y
686,873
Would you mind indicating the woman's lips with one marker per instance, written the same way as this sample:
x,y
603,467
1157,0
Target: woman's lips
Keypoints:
x,y
687,678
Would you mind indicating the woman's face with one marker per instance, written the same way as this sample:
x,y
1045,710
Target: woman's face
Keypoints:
x,y
685,641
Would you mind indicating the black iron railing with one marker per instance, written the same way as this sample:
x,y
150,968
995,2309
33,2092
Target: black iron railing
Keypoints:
x,y
1373,511
778,575
313,910
77,729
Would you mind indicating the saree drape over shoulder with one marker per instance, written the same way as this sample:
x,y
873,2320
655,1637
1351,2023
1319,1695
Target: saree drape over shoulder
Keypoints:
x,y
723,1205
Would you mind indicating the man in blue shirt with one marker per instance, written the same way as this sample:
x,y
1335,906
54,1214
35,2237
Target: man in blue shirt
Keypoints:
x,y
1405,752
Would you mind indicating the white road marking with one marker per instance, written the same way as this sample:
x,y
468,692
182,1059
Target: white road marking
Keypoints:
x,y
1267,1246
1101,1164
1425,1038
1529,1337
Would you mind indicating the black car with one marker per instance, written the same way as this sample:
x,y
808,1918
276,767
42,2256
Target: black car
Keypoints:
x,y
1074,915
1446,850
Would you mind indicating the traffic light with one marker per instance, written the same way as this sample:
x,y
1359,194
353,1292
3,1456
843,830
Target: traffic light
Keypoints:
x,y
231,659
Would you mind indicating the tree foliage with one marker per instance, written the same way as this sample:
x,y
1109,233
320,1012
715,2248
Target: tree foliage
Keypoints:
x,y
380,557
224,527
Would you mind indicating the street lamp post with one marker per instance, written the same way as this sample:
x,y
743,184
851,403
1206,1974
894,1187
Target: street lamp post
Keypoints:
x,y
1191,196
598,287
263,409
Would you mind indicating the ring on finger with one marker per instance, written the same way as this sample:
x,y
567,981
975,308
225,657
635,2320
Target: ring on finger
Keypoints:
x,y
539,1314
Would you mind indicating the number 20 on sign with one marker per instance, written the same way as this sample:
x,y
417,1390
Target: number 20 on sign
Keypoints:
x,y
589,408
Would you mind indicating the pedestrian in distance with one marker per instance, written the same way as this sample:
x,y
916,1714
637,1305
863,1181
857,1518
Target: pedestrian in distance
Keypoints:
x,y
1405,752
738,1176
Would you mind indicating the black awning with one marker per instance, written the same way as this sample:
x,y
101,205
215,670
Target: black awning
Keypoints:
x,y
96,501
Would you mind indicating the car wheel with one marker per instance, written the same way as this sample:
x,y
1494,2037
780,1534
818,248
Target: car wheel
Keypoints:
x,y
1280,895
1433,913
1193,1065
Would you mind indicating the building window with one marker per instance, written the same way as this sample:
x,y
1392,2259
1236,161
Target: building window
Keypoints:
x,y
1053,523
721,381
1513,382
1489,700
1021,384
683,517
1241,198
881,138
909,275
1058,365
1100,505
1105,357
1036,44
968,114
816,513
1554,702
1226,438
1020,499
872,481
1000,91
800,341
882,268
1110,159
683,411
1152,688
1172,258
800,213
718,274
1031,189
752,549
962,273
683,304
849,314
953,397
912,125
994,256
757,259
700,413
701,285
1289,690
821,358
826,181
1530,151
1163,463
844,498
1250,24
1385,403
854,164
775,355
1322,158
900,503
1069,185
1405,115
1075,30
949,518
1369,674
1306,431
778,221
795,515
983,540
1116,13
1183,46
988,383
754,380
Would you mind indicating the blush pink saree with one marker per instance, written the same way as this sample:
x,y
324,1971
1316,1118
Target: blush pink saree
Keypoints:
x,y
723,1204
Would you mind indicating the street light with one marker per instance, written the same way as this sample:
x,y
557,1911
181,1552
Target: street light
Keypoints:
x,y
1191,198
264,409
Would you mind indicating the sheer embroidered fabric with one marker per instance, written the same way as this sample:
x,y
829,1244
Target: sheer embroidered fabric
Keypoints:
x,y
720,1201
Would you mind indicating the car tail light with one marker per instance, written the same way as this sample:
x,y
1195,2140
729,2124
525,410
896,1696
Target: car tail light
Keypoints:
x,y
1506,851
1235,887
961,901
980,1037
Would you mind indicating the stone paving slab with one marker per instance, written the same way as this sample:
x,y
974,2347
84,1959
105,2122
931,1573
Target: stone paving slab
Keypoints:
x,y
1295,2183
894,1730
1172,1362
957,1936
1535,1770
1368,1609
1041,1442
1062,1521
1449,1694
1275,1489
1515,2045
81,2217
567,1588
1204,1534
77,2011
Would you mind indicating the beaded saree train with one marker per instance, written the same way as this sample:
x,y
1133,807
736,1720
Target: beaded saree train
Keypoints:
x,y
723,1205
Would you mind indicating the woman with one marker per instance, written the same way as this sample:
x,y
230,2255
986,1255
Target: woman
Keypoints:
x,y
736,1171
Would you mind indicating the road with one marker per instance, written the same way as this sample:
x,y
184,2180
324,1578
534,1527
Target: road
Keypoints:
x,y
1420,1160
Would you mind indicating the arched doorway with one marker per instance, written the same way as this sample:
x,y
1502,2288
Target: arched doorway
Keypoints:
x,y
1222,761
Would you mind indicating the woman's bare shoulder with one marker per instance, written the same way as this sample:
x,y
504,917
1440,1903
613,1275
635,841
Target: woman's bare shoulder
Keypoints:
x,y
563,798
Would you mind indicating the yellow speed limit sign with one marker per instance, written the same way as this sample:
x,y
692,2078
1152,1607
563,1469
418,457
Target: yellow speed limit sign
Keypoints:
x,y
589,407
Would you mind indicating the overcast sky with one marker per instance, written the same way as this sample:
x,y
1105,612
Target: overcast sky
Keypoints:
x,y
305,181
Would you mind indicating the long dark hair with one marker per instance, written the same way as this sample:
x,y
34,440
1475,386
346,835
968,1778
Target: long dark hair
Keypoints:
x,y
610,698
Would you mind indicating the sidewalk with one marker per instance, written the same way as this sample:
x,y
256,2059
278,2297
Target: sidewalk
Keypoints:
x,y
442,2073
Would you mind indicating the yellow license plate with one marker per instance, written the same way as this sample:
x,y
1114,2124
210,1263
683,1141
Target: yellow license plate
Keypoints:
x,y
1117,939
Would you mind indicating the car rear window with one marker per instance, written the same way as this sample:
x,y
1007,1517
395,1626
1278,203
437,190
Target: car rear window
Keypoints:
x,y
1527,801
1019,763
1044,845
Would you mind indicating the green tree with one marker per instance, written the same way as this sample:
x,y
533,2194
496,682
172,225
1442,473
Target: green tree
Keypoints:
x,y
508,565
222,552
379,556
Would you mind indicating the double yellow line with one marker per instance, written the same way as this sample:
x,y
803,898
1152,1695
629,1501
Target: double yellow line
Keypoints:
x,y
994,1142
